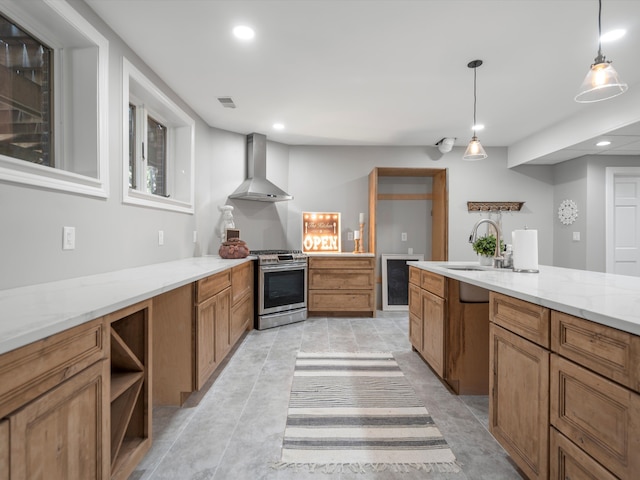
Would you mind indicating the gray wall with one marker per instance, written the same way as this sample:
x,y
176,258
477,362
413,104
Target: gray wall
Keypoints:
x,y
336,179
112,236
583,181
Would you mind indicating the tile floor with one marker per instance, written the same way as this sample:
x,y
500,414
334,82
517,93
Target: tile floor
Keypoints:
x,y
233,430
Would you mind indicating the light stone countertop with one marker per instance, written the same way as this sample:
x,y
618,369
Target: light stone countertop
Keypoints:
x,y
608,299
34,312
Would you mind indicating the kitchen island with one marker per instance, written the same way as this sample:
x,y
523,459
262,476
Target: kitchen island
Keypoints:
x,y
564,366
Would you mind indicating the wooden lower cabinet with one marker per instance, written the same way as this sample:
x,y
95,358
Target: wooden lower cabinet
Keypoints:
x,y
568,462
433,331
212,334
63,434
451,335
54,407
599,416
195,327
130,387
241,318
519,400
242,282
341,285
173,346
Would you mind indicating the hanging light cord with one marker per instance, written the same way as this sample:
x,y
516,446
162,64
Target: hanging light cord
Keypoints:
x,y
600,58
475,98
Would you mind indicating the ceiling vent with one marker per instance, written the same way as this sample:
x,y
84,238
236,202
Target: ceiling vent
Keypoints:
x,y
227,102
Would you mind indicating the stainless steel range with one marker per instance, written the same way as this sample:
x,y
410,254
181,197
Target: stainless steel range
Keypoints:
x,y
281,287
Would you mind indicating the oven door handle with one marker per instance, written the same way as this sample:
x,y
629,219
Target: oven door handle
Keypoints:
x,y
289,266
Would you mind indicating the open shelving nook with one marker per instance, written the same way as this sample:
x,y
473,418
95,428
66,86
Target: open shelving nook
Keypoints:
x,y
434,196
130,355
438,197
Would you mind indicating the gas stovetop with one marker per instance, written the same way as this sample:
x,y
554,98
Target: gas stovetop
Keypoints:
x,y
279,256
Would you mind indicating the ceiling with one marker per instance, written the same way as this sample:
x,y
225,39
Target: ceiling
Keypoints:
x,y
383,72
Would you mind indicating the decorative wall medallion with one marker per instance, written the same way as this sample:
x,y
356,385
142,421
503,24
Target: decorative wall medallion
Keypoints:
x,y
568,212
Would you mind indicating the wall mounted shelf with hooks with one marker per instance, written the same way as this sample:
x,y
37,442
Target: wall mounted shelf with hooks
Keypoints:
x,y
494,206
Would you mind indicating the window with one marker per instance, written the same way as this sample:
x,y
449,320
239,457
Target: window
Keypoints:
x,y
53,98
25,96
158,147
152,154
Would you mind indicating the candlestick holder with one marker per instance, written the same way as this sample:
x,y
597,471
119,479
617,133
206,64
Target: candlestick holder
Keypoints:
x,y
356,248
360,245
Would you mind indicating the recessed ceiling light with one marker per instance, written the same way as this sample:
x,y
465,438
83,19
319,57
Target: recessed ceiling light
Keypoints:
x,y
603,143
612,35
478,126
278,126
243,32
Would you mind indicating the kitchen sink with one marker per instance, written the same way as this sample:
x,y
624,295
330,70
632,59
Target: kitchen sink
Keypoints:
x,y
467,267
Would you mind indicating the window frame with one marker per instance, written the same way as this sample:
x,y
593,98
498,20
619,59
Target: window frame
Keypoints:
x,y
139,91
22,172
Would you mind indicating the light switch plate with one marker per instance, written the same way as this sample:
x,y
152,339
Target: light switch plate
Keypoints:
x,y
68,238
404,236
160,237
576,236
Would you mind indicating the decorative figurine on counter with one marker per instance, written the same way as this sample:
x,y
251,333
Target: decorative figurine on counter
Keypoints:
x,y
226,221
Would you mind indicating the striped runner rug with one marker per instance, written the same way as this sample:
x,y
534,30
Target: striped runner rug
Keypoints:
x,y
356,412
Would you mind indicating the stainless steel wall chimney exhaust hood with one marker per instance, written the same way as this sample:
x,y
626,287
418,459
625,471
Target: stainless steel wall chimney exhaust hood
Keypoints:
x,y
256,186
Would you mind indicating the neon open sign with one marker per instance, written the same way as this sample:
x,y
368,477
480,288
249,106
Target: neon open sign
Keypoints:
x,y
321,232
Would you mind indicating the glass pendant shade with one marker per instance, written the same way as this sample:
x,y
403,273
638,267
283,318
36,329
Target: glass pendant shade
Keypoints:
x,y
602,82
474,150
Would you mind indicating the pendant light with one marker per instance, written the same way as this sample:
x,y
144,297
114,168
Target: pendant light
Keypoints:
x,y
474,150
602,81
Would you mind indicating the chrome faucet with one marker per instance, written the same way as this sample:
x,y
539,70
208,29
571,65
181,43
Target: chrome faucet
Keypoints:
x,y
497,255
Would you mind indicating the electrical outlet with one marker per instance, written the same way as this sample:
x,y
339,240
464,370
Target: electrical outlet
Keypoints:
x,y
576,236
195,236
404,236
410,251
68,238
160,237
349,235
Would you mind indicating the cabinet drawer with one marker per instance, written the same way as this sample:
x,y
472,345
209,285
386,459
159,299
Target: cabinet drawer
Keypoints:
x,y
568,462
327,279
241,281
340,301
523,318
601,417
414,275
346,262
207,287
434,283
30,371
613,353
